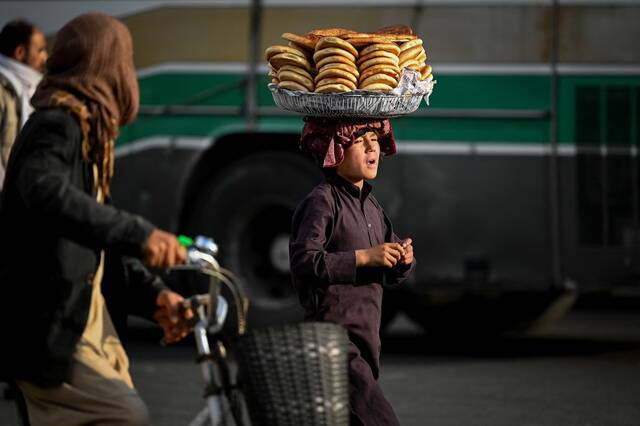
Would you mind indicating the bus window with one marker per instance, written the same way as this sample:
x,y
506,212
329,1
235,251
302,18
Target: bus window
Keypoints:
x,y
605,168
589,178
618,165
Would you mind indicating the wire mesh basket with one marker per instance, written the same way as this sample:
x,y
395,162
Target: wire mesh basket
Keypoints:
x,y
296,375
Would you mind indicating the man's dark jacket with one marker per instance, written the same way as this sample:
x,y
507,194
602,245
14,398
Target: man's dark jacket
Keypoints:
x,y
51,233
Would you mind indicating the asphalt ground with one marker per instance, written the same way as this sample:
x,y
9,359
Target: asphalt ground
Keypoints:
x,y
584,371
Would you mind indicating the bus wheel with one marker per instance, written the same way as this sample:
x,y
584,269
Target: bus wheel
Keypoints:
x,y
247,208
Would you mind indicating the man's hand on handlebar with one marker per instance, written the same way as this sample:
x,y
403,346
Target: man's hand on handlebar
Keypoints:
x,y
162,250
172,316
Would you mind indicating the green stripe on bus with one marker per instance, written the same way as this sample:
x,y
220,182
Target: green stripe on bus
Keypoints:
x,y
441,129
451,91
495,92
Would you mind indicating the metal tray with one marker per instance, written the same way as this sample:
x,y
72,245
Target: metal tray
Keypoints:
x,y
358,103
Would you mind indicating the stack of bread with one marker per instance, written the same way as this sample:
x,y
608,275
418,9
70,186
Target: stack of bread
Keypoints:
x,y
335,60
379,67
340,60
289,68
413,56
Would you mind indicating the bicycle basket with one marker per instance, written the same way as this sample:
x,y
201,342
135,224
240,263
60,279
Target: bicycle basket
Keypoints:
x,y
296,374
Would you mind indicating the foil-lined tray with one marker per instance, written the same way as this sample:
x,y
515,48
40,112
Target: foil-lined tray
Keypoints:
x,y
402,100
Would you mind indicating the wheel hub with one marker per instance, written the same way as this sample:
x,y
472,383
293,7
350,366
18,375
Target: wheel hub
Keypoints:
x,y
279,253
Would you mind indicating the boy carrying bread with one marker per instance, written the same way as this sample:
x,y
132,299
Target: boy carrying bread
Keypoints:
x,y
343,250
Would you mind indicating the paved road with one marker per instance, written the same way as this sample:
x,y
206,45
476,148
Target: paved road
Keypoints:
x,y
584,371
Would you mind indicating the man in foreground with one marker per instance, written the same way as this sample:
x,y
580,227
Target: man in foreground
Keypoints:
x,y
58,236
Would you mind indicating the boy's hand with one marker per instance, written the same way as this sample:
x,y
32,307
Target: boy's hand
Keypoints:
x,y
407,258
385,255
162,250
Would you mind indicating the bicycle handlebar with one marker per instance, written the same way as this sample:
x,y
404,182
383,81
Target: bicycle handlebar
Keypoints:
x,y
201,258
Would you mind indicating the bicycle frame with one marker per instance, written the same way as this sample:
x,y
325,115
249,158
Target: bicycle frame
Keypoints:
x,y
213,411
223,397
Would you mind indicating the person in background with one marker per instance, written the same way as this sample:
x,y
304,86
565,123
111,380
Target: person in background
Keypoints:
x,y
343,250
60,237
23,54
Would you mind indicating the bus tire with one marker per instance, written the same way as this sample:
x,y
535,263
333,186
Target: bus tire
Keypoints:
x,y
246,208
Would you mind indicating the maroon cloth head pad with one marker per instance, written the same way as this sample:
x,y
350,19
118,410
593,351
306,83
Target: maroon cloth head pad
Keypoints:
x,y
326,139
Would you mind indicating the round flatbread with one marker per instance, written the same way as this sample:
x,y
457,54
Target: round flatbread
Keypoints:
x,y
331,51
379,78
334,59
329,81
395,30
297,78
413,64
412,53
422,57
282,59
362,42
330,32
410,44
332,88
296,69
275,80
377,87
387,47
274,50
292,85
308,53
380,69
378,54
345,67
425,71
326,42
336,73
377,61
363,39
306,42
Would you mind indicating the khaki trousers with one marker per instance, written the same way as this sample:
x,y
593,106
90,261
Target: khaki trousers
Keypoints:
x,y
100,390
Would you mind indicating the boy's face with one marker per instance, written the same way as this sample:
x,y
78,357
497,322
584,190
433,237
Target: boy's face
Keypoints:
x,y
361,159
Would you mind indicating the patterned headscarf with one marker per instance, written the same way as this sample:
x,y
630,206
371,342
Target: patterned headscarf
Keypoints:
x,y
326,139
91,73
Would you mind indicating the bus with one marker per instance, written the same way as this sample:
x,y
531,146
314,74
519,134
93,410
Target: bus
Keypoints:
x,y
518,183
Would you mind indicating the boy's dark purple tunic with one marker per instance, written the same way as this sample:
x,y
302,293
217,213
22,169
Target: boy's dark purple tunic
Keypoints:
x,y
334,220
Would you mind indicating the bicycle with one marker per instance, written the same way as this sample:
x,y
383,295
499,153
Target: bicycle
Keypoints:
x,y
290,375
224,400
